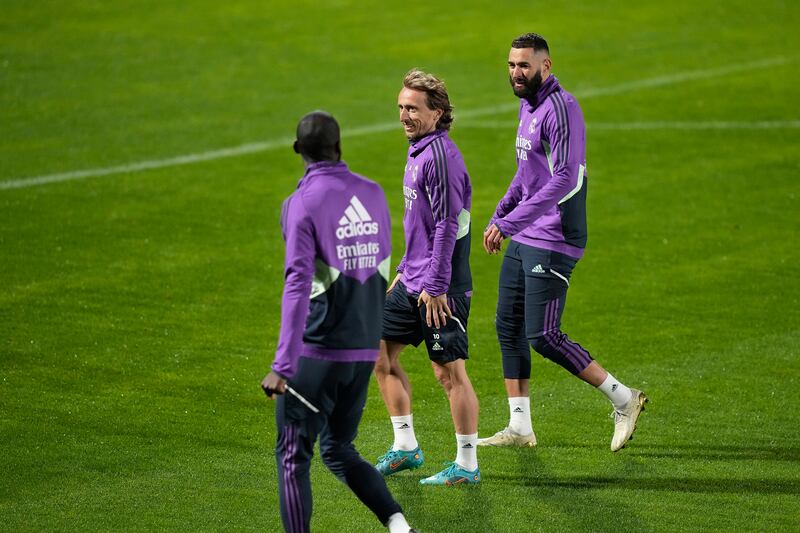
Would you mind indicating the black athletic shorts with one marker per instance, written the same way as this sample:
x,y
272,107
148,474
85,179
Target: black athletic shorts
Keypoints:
x,y
404,322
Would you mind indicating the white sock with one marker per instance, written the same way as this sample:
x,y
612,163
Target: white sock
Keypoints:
x,y
404,438
520,419
618,393
466,454
397,523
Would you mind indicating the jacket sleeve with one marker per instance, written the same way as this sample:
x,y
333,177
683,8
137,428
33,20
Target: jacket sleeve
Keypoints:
x,y
509,201
564,129
446,193
299,268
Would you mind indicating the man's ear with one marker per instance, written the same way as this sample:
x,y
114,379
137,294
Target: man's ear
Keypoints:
x,y
296,147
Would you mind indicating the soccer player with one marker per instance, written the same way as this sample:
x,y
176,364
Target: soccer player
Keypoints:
x,y
430,296
337,232
544,214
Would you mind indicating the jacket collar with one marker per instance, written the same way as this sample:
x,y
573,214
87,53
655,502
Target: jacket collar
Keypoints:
x,y
320,167
415,146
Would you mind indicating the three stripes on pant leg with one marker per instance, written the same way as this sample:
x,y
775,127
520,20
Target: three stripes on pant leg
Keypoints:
x,y
291,491
557,346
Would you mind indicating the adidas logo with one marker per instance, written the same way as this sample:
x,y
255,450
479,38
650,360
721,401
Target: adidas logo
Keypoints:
x,y
437,347
467,446
537,269
518,410
404,426
614,387
355,221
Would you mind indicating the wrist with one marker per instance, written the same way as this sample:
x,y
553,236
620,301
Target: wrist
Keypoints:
x,y
503,231
433,293
281,375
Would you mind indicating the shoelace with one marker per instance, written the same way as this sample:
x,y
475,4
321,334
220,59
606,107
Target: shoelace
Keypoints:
x,y
388,455
451,467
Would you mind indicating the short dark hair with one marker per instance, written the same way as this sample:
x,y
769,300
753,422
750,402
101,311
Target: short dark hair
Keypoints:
x,y
531,40
436,94
318,137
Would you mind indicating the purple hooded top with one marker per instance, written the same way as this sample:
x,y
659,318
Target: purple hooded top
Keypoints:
x,y
545,205
436,220
338,244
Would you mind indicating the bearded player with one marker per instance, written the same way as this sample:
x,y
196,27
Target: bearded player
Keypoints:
x,y
543,214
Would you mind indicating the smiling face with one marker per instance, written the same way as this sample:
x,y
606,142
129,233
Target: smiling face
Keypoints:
x,y
417,118
527,70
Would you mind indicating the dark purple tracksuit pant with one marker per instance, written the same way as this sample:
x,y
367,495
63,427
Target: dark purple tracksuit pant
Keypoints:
x,y
531,299
339,391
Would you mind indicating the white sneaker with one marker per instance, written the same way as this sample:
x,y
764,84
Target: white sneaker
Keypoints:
x,y
507,437
625,420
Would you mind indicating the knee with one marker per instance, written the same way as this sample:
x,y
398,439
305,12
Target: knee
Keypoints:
x,y
328,454
539,344
456,376
382,367
511,336
447,385
338,458
443,377
505,322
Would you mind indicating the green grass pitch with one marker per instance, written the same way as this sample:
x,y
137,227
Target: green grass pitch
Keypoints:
x,y
139,309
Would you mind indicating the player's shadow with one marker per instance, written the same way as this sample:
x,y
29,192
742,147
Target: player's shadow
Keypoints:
x,y
467,504
718,452
714,452
700,485
534,473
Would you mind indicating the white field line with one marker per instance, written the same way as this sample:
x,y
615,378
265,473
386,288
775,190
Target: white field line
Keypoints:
x,y
656,125
249,148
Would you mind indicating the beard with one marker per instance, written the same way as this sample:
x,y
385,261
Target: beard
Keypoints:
x,y
530,87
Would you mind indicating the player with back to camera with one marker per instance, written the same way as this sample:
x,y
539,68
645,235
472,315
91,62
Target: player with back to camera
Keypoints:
x,y
430,296
337,232
543,213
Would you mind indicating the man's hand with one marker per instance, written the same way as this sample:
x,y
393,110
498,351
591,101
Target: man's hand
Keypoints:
x,y
436,308
492,239
394,282
273,384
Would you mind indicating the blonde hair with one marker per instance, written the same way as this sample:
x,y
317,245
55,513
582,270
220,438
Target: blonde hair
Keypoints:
x,y
436,94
